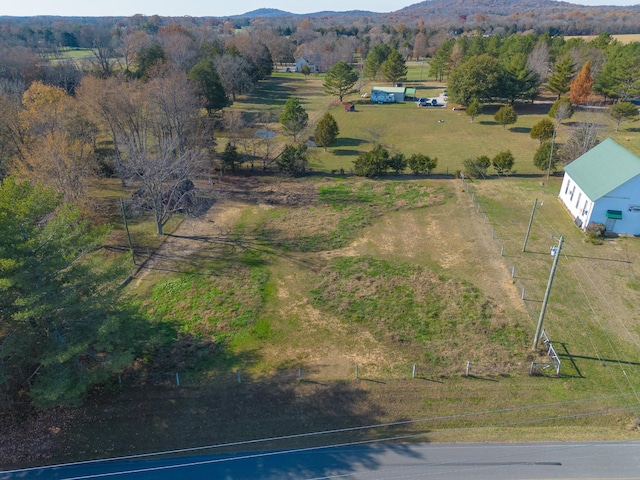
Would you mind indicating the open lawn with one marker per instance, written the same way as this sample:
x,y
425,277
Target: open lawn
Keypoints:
x,y
403,127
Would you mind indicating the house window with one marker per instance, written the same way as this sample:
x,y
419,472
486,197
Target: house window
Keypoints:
x,y
572,192
578,201
584,207
567,188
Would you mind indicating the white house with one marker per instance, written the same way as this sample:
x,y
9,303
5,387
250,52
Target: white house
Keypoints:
x,y
312,61
603,186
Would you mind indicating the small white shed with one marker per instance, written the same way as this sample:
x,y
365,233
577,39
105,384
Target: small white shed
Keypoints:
x,y
603,186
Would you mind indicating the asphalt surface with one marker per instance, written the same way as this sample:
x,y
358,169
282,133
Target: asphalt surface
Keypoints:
x,y
609,460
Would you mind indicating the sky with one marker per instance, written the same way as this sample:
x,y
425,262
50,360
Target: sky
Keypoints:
x,y
214,8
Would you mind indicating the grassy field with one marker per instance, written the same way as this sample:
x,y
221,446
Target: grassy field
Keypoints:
x,y
624,38
403,127
288,284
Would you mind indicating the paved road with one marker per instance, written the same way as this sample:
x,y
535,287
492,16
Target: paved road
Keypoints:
x,y
381,462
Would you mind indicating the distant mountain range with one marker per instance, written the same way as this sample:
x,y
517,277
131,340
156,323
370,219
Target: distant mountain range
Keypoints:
x,y
275,13
450,8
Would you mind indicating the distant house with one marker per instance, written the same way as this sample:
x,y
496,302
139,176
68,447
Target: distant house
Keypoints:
x,y
603,186
312,61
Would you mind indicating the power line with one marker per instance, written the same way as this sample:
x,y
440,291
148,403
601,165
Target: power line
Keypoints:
x,y
336,431
335,445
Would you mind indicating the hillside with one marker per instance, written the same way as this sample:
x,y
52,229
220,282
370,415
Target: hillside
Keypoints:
x,y
539,15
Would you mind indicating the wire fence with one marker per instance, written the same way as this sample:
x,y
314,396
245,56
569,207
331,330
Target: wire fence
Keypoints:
x,y
308,373
529,293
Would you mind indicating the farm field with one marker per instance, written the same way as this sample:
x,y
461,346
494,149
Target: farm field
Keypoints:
x,y
286,286
624,38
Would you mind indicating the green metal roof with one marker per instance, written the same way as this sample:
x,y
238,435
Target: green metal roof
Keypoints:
x,y
603,168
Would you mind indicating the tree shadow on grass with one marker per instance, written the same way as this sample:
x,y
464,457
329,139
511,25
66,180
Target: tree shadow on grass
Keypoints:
x,y
341,152
273,92
255,415
520,130
346,142
487,122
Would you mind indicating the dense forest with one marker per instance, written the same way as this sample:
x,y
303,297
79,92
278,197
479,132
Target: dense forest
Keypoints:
x,y
143,106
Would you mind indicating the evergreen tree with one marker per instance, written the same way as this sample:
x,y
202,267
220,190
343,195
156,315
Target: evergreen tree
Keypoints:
x,y
545,158
397,163
148,58
543,130
506,115
519,81
622,111
474,109
420,163
327,131
374,60
340,79
563,72
394,67
64,325
373,163
293,160
440,63
294,118
209,86
503,162
230,157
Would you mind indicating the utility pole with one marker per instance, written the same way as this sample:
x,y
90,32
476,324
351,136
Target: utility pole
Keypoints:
x,y
547,293
526,238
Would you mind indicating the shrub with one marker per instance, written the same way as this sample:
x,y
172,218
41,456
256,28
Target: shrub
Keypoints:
x,y
476,167
594,233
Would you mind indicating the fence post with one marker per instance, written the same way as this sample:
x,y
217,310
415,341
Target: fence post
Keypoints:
x,y
177,379
356,370
502,251
468,368
239,377
299,373
522,293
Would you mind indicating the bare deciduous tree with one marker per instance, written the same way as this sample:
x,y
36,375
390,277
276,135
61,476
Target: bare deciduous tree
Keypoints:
x,y
104,48
538,61
581,139
165,179
235,74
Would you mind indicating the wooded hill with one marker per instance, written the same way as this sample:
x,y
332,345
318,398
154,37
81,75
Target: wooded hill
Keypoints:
x,y
537,15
